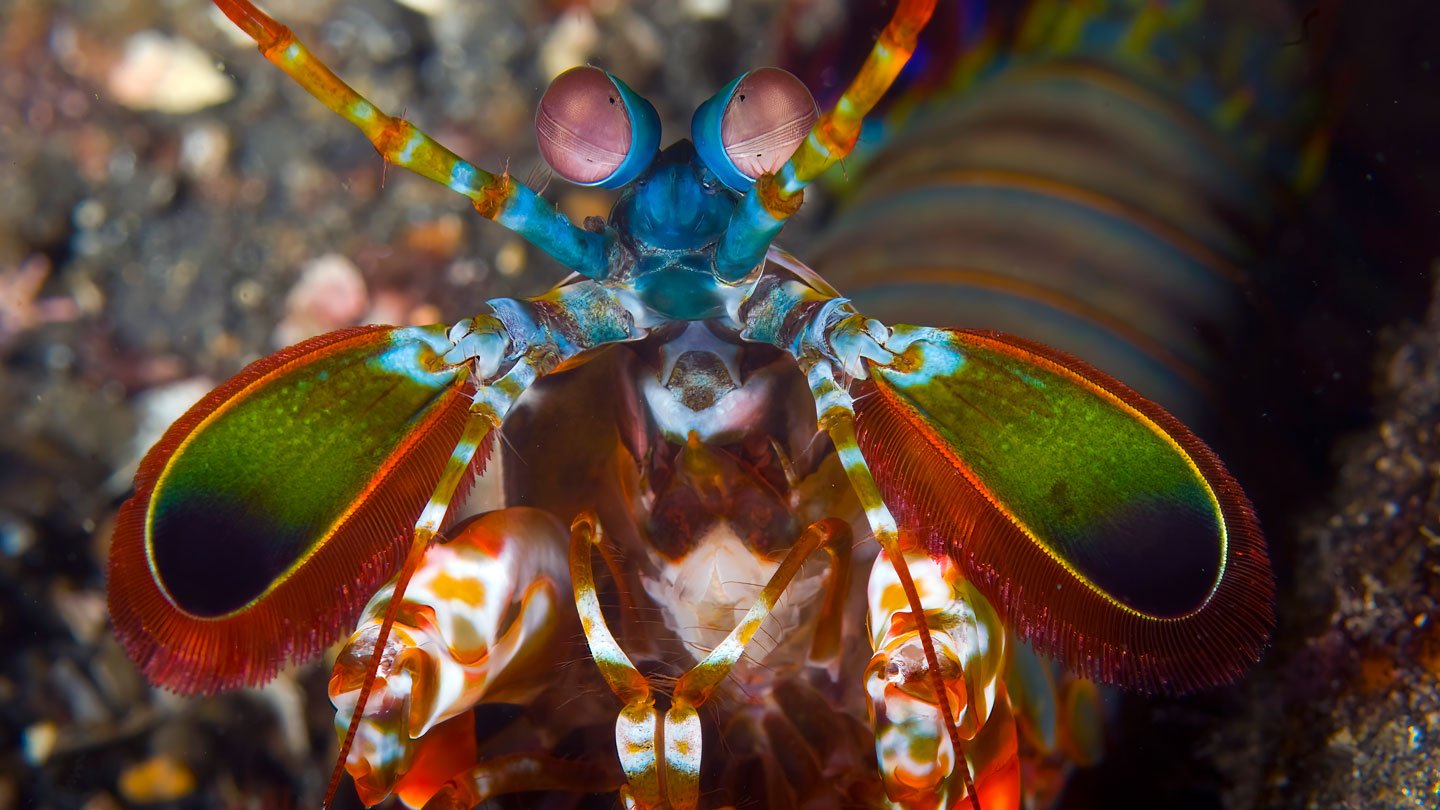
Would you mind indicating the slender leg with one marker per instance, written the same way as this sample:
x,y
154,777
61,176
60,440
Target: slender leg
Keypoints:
x,y
828,338
662,759
500,198
682,722
637,724
827,645
837,418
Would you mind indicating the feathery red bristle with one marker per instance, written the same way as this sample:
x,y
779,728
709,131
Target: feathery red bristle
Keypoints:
x,y
310,608
1047,605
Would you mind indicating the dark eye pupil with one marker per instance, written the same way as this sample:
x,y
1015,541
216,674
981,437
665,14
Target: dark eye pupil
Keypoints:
x,y
612,99
742,96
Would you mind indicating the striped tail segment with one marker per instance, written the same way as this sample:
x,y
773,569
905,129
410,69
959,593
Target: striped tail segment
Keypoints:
x,y
1095,176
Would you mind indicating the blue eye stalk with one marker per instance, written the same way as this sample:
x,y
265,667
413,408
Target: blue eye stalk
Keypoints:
x,y
753,125
644,137
594,130
705,131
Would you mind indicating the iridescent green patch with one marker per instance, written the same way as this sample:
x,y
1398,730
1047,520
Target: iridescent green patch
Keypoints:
x,y
1096,484
264,479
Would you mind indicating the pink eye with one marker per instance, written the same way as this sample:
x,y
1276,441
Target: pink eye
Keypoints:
x,y
768,115
593,130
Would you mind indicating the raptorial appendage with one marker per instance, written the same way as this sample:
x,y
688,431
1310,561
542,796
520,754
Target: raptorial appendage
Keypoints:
x,y
917,759
1023,727
508,351
483,619
1148,571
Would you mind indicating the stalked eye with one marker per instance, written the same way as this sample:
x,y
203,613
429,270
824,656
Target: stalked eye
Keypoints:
x,y
594,130
753,125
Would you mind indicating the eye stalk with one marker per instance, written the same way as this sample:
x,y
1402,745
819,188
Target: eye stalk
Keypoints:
x,y
594,130
753,125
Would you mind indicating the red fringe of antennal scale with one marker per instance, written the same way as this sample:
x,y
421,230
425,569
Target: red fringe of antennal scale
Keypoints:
x,y
1048,606
311,608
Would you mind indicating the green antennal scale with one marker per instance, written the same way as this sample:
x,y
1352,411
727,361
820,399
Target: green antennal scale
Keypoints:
x,y
261,522
1109,533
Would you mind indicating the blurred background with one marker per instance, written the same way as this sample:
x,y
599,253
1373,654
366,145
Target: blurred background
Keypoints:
x,y
172,208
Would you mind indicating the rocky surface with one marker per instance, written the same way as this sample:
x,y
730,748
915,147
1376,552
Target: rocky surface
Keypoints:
x,y
1347,713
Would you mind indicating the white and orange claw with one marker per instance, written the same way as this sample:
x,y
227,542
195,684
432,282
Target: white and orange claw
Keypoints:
x,y
916,756
478,623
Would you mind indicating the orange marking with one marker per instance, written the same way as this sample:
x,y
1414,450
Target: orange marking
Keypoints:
x,y
467,590
776,202
493,197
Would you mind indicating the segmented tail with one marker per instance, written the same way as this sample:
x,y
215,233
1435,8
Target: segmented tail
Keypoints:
x,y
1096,176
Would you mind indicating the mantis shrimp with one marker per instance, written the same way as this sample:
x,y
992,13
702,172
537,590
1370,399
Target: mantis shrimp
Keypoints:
x,y
717,425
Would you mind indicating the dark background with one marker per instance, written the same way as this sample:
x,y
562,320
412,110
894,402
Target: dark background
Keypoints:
x,y
147,254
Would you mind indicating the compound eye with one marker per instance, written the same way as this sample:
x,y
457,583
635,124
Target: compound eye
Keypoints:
x,y
768,116
754,125
593,130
